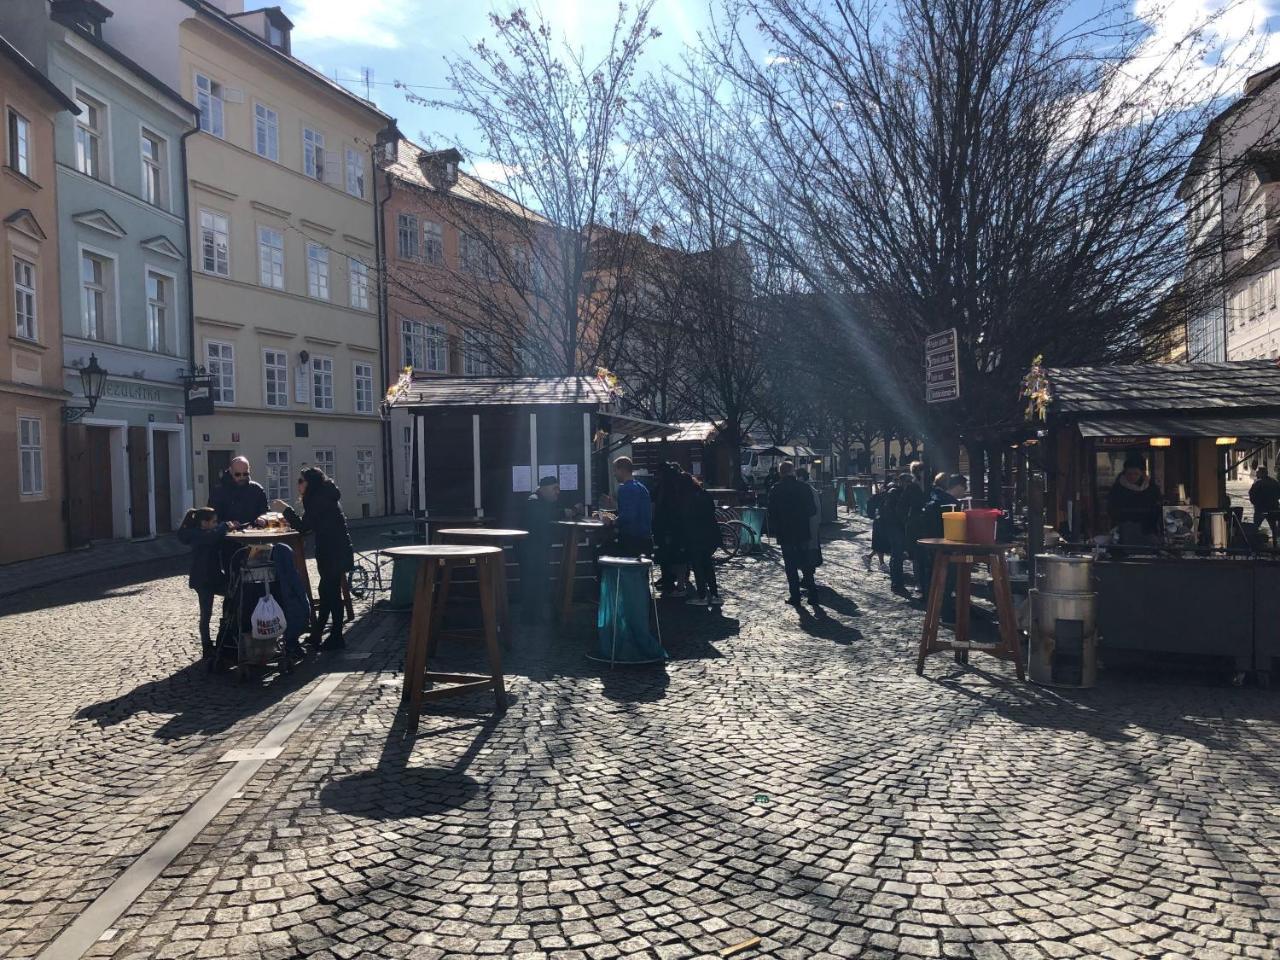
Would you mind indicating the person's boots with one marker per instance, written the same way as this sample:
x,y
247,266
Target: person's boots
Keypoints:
x,y
335,641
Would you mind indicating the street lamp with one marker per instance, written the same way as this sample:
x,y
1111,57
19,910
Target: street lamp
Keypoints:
x,y
92,379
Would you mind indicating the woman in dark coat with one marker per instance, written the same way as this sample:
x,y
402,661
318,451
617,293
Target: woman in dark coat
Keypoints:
x,y
323,516
701,534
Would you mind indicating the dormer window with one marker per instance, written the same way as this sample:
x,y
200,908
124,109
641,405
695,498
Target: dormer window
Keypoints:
x,y
87,16
276,27
440,167
451,173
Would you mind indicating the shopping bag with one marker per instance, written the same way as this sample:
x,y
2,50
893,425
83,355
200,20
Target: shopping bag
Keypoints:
x,y
268,619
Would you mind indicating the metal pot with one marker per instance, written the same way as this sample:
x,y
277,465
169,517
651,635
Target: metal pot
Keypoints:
x,y
1055,574
1048,608
1063,651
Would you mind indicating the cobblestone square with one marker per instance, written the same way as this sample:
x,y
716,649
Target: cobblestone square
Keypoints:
x,y
787,776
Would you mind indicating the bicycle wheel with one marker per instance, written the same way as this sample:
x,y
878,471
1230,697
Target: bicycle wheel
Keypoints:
x,y
359,581
730,542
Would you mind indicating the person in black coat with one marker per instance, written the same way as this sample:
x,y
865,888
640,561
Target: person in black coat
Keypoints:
x,y
201,531
701,534
542,511
237,498
905,499
1264,494
323,516
790,507
1133,504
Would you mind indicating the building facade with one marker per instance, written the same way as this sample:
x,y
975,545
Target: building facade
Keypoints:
x,y
122,244
31,389
281,200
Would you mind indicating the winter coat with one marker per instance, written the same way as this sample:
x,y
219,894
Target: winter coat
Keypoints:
x,y
928,523
323,516
900,503
236,503
791,504
1264,494
700,528
290,591
1140,504
206,574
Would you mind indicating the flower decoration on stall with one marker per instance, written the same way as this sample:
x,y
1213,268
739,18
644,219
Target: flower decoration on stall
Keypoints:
x,y
1036,390
609,379
397,390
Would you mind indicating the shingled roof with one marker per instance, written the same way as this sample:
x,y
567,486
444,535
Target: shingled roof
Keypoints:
x,y
1240,387
503,391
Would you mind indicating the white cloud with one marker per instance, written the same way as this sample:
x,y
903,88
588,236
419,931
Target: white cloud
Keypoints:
x,y
367,23
494,173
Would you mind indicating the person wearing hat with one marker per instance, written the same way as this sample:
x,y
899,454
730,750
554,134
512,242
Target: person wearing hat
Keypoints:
x,y
542,511
1133,504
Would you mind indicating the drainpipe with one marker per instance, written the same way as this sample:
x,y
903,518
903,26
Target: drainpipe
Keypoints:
x,y
379,213
191,303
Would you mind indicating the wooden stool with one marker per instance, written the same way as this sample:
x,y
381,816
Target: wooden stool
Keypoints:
x,y
490,536
569,559
424,627
962,556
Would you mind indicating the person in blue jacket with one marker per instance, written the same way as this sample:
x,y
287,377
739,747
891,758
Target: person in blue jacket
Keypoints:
x,y
633,529
201,531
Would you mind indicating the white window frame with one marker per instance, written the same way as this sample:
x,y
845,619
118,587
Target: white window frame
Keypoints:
x,y
433,242
317,271
326,459
279,474
430,338
322,398
271,261
313,154
353,166
476,354
362,386
171,324
275,361
154,171
211,102
225,396
18,145
214,216
99,135
365,476
26,298
109,320
30,451
358,283
407,230
266,131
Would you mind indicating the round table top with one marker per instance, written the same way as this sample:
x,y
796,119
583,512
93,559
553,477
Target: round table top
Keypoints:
x,y
257,533
962,547
625,562
583,524
444,551
486,533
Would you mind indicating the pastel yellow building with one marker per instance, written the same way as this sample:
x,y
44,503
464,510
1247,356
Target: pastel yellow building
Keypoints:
x,y
283,247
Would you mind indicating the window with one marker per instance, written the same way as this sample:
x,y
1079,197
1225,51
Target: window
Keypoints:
x,y
424,346
433,243
364,387
95,295
313,154
1255,228
355,173
31,455
324,460
476,353
275,378
278,474
364,472
24,298
474,256
159,303
359,277
209,100
322,383
271,258
215,243
89,136
275,36
19,143
152,169
220,361
407,236
266,132
318,271
1255,299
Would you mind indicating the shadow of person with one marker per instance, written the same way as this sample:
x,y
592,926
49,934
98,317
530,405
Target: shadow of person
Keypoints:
x,y
634,683
822,625
827,598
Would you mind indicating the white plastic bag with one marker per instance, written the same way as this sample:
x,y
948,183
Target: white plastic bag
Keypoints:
x,y
268,619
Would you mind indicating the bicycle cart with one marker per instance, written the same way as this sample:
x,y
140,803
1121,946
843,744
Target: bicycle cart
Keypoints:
x,y
251,577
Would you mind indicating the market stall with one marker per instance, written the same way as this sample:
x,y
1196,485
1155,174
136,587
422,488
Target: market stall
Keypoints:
x,y
1135,460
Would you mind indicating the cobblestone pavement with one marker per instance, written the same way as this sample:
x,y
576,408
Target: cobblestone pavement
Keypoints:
x,y
787,776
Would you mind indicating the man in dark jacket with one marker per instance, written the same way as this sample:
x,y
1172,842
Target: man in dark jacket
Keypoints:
x,y
542,510
790,507
1264,494
1133,503
905,499
236,498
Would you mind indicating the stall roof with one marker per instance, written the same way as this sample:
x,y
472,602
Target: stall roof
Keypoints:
x,y
1192,426
503,391
694,431
642,431
1240,387
786,450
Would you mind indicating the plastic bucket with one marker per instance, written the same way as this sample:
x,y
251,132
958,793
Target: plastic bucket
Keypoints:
x,y
981,525
954,526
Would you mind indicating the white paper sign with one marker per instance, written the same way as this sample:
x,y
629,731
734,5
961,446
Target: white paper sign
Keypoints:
x,y
521,479
568,476
547,470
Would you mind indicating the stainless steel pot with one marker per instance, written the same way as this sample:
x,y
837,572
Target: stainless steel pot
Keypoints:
x,y
1048,608
1063,651
1055,574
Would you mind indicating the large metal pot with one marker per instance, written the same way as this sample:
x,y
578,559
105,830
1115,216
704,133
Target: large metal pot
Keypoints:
x,y
1048,608
1056,574
1064,641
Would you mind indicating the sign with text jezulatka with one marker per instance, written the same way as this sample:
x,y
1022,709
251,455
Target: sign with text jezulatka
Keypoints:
x,y
941,367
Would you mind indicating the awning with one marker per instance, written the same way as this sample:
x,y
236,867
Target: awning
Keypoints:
x,y
633,428
1187,425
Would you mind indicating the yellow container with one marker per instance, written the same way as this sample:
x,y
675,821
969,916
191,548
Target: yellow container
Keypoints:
x,y
953,527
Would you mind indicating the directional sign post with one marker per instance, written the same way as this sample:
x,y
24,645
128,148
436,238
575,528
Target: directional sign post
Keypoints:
x,y
941,367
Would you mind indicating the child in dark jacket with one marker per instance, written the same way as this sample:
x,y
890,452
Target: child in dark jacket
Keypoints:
x,y
201,531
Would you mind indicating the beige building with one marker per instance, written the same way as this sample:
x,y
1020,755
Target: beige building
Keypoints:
x,y
284,247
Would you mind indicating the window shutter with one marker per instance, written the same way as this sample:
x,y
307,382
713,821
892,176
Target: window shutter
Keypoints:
x,y
333,174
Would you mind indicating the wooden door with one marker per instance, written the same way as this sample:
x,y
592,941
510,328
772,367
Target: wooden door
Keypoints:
x,y
160,481
98,481
139,482
217,462
79,485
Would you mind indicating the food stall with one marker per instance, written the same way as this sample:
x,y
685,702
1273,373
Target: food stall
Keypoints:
x,y
699,447
1202,580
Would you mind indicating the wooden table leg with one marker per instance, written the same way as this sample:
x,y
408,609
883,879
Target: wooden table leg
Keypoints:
x,y
933,613
437,613
568,568
962,607
488,596
1009,633
415,668
504,601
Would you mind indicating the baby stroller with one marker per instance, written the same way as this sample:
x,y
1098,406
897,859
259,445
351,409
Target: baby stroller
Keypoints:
x,y
251,575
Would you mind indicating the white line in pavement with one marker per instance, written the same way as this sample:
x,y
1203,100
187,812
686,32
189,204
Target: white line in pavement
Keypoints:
x,y
88,928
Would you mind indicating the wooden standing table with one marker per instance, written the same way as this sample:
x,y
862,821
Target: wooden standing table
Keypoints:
x,y
495,537
949,553
569,559
424,626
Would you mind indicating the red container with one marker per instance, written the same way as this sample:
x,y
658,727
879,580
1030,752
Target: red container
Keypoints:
x,y
980,525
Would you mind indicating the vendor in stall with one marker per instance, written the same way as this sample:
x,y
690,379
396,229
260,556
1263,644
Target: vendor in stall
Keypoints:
x,y
1134,502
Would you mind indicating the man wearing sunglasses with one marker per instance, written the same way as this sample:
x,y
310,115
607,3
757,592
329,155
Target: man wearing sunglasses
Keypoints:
x,y
237,498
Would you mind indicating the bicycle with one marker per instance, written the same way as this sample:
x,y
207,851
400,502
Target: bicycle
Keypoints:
x,y
370,576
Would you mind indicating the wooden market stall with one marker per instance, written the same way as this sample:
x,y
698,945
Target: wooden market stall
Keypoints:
x,y
1204,581
698,446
